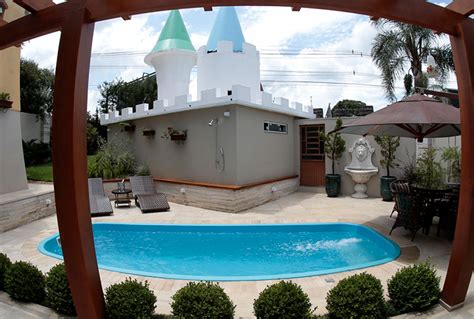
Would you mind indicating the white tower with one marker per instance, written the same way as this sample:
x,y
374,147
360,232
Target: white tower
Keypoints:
x,y
173,58
227,59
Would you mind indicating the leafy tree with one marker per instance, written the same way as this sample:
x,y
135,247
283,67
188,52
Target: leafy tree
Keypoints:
x,y
398,46
95,132
119,94
351,108
36,88
388,145
334,145
408,83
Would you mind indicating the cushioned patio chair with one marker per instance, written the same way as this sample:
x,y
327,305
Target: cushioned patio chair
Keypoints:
x,y
99,203
410,213
146,197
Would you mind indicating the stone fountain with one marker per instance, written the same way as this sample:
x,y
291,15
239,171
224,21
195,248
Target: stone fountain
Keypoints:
x,y
361,168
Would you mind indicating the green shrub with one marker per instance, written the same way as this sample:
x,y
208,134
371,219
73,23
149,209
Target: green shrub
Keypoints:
x,y
130,299
142,170
5,263
113,160
36,152
282,300
414,287
202,300
58,293
25,282
358,296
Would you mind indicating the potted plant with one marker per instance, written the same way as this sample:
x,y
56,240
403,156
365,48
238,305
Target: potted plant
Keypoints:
x,y
452,156
429,171
388,147
5,100
148,132
334,146
174,134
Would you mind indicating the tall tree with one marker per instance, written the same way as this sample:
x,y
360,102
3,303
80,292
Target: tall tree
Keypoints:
x,y
36,88
399,46
119,94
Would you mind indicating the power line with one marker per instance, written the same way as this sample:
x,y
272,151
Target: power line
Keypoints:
x,y
318,83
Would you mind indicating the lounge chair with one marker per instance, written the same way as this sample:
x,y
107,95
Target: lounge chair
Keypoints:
x,y
146,197
99,203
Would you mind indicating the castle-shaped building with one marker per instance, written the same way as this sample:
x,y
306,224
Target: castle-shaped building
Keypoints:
x,y
228,69
231,148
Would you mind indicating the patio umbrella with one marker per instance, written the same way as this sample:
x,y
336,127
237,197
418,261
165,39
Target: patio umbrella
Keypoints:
x,y
417,116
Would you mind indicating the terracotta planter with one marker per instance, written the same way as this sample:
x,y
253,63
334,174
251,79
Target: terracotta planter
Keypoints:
x,y
149,133
178,137
6,104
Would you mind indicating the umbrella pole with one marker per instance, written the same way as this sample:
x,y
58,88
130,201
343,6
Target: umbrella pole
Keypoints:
x,y
461,263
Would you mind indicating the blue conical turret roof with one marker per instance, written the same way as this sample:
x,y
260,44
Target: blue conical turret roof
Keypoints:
x,y
226,28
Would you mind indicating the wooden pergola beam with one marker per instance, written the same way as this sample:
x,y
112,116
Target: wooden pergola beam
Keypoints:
x,y
417,12
34,6
464,7
35,25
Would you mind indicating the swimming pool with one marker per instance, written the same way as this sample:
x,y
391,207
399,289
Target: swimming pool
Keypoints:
x,y
235,252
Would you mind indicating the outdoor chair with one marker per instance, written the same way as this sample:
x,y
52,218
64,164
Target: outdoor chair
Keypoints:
x,y
146,197
99,203
405,186
447,212
410,215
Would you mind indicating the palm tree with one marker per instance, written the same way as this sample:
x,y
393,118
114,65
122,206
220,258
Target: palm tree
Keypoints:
x,y
399,45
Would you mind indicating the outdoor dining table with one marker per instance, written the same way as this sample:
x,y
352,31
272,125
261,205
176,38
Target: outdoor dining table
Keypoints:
x,y
438,202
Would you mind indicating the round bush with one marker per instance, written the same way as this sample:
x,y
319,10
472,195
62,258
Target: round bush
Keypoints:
x,y
130,299
25,282
58,293
202,300
282,300
414,288
358,296
5,263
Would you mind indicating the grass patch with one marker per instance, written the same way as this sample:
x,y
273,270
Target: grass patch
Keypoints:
x,y
44,172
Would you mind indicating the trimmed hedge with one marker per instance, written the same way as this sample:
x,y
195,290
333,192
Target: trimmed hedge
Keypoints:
x,y
202,300
58,293
5,263
282,300
414,288
25,282
357,296
130,299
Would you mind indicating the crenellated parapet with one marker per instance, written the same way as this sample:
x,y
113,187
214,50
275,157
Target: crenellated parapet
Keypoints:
x,y
238,94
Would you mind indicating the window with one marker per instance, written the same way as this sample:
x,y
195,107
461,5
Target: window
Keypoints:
x,y
273,127
312,147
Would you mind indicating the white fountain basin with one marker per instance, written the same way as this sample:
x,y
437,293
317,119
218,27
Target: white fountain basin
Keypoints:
x,y
361,177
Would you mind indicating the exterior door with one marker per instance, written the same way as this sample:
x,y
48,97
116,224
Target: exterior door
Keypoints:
x,y
312,162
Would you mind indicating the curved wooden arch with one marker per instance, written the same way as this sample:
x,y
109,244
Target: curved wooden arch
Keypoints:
x,y
75,19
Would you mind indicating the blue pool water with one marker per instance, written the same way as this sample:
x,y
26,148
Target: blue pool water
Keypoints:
x,y
235,252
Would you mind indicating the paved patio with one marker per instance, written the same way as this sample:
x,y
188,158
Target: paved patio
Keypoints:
x,y
300,207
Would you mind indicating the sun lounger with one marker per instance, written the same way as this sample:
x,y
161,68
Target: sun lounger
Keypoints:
x,y
146,197
99,203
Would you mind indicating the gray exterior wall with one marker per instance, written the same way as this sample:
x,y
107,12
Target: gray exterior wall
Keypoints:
x,y
407,146
251,155
261,155
12,165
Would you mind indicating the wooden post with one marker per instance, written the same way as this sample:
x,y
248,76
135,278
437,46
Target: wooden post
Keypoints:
x,y
462,255
70,163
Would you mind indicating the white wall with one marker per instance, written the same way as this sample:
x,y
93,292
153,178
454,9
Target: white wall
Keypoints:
x,y
33,128
407,148
225,68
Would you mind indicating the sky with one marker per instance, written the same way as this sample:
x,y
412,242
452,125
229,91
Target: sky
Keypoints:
x,y
297,49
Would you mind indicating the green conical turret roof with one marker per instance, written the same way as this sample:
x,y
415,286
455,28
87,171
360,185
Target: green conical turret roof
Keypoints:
x,y
174,35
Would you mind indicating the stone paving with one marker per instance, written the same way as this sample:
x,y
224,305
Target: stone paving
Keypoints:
x,y
301,207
